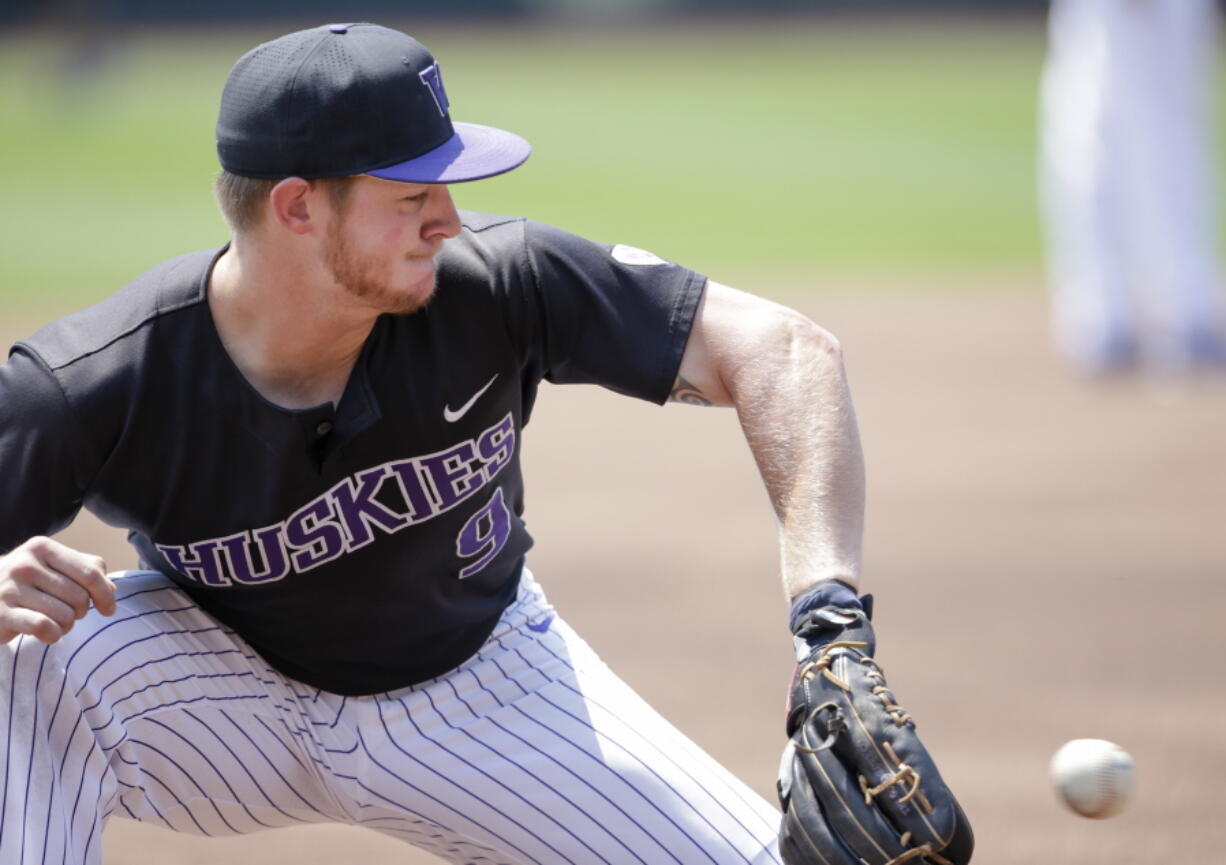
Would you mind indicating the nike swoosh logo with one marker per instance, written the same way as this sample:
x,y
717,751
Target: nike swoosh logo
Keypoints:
x,y
453,416
542,626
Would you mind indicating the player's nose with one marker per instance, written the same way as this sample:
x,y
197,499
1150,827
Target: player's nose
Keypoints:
x,y
442,219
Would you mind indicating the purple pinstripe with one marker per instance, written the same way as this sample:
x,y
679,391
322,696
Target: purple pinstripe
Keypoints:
x,y
593,701
530,748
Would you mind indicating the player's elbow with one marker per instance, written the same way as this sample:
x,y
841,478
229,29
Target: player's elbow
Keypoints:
x,y
785,355
759,344
798,340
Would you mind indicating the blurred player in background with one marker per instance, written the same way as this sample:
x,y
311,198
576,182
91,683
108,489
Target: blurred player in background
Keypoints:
x,y
1128,183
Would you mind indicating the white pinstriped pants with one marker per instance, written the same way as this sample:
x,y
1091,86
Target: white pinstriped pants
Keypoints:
x,y
530,752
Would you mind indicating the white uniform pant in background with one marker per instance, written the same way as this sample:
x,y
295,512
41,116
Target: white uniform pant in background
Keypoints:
x,y
531,752
1128,182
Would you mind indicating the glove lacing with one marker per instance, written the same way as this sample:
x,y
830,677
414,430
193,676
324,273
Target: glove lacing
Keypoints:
x,y
904,774
923,851
825,658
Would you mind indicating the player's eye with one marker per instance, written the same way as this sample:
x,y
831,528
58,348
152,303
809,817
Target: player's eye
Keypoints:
x,y
419,198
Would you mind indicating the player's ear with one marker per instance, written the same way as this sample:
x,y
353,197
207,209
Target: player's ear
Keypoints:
x,y
292,205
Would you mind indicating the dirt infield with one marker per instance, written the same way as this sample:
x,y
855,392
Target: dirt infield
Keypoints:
x,y
1048,554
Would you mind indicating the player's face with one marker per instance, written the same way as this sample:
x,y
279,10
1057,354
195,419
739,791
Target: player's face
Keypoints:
x,y
381,246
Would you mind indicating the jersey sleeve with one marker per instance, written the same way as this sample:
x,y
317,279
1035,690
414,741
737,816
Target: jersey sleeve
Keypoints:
x,y
608,315
40,458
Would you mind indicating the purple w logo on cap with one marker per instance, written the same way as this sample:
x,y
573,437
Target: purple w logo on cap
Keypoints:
x,y
432,77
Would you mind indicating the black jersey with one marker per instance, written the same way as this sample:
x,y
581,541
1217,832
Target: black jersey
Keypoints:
x,y
359,548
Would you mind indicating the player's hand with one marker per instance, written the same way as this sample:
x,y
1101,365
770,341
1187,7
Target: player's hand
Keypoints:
x,y
45,587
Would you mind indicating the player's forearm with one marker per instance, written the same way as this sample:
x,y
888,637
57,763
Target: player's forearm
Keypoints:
x,y
785,376
795,408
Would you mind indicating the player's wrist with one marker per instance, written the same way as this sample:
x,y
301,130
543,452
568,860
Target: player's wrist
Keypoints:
x,y
828,593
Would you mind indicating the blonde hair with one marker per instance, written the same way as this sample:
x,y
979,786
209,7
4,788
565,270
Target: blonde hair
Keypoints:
x,y
242,199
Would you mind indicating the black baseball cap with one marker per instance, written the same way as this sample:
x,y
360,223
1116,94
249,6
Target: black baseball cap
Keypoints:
x,y
346,99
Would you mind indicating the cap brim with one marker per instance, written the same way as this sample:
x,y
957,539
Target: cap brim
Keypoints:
x,y
474,152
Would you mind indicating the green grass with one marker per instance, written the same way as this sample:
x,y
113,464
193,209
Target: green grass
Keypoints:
x,y
776,150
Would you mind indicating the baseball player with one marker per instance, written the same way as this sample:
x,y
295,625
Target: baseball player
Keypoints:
x,y
1127,182
313,437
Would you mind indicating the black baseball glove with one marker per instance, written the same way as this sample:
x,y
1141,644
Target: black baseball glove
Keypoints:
x,y
856,784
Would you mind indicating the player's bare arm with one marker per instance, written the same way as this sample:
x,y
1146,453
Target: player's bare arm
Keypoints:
x,y
784,375
45,587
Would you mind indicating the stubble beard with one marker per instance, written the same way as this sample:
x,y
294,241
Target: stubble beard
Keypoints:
x,y
362,280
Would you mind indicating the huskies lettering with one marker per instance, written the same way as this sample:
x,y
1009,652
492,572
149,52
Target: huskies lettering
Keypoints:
x,y
315,540
454,474
199,561
495,446
243,569
353,514
359,512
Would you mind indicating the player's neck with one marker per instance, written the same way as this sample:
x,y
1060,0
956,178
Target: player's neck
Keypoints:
x,y
283,329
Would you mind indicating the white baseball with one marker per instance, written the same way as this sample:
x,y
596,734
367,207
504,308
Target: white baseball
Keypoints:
x,y
1093,776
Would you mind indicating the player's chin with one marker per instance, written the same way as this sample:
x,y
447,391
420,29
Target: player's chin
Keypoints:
x,y
394,296
411,297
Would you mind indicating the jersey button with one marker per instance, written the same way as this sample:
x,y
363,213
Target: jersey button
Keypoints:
x,y
323,428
